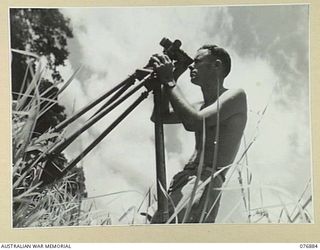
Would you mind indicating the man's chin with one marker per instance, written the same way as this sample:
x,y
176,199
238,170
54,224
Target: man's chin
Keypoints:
x,y
194,81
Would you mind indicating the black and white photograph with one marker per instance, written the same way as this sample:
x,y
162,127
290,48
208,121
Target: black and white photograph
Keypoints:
x,y
160,115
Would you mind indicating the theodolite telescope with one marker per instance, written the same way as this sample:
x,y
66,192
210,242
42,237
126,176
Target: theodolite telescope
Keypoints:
x,y
172,49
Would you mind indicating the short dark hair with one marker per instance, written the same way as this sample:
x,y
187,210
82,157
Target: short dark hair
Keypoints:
x,y
221,54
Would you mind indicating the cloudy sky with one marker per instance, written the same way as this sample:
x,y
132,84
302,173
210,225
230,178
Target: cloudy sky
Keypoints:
x,y
269,50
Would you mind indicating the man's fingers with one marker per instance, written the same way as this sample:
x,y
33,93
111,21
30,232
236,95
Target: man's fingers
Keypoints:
x,y
166,59
156,64
155,59
161,58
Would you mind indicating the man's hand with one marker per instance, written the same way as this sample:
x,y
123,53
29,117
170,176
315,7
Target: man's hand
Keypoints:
x,y
163,67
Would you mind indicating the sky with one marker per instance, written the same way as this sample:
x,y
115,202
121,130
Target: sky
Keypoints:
x,y
269,47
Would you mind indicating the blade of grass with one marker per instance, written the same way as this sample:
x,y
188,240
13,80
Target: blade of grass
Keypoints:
x,y
222,189
301,196
69,80
184,201
170,200
26,53
23,82
249,179
47,108
32,86
199,171
303,207
240,179
42,99
26,193
285,209
28,128
109,194
215,157
125,214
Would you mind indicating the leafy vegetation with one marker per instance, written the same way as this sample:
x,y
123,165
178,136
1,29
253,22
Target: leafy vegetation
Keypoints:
x,y
41,32
36,201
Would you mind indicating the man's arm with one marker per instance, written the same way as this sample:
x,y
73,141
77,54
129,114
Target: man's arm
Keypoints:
x,y
167,116
231,102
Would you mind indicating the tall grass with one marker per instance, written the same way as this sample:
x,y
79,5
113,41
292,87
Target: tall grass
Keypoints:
x,y
292,211
34,202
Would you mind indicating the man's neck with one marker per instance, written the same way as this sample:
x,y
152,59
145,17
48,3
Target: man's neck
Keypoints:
x,y
210,95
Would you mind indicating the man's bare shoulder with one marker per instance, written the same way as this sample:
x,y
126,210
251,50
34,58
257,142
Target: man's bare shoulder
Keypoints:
x,y
232,97
236,93
239,98
231,102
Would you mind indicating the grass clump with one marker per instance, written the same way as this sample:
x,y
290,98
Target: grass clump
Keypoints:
x,y
40,197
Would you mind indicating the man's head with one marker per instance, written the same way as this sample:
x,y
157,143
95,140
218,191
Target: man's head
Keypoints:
x,y
210,63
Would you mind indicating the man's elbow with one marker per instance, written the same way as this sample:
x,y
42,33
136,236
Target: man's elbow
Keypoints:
x,y
188,127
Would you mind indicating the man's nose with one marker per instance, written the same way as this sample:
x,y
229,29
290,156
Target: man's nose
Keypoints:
x,y
191,67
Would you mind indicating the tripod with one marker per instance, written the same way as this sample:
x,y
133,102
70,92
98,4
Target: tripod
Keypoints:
x,y
113,98
118,94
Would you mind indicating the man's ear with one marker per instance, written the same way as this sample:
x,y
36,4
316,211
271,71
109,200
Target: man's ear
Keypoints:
x,y
218,64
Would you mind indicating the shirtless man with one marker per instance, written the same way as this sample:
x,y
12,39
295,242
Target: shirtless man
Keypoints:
x,y
211,66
